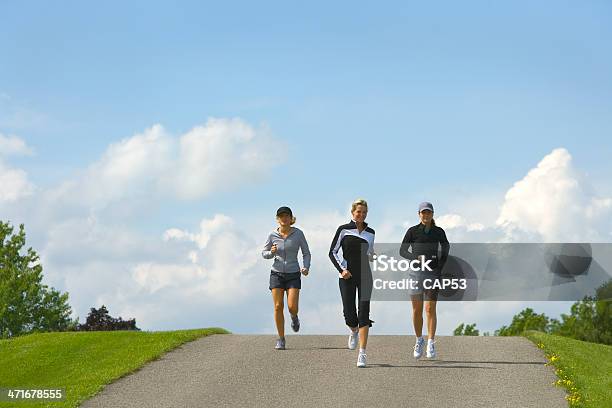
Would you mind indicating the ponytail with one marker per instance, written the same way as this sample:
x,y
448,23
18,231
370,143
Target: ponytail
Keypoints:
x,y
433,223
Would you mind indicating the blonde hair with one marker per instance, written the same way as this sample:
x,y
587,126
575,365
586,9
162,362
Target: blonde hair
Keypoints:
x,y
359,201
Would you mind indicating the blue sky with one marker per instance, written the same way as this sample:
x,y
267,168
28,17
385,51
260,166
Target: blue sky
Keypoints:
x,y
395,102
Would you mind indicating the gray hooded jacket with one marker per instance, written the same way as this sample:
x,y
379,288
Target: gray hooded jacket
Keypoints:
x,y
285,258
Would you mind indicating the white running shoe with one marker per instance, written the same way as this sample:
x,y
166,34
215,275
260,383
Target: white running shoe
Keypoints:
x,y
418,347
431,351
361,359
353,340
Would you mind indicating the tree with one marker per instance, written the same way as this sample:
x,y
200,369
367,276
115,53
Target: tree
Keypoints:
x,y
26,305
527,320
467,330
590,319
99,319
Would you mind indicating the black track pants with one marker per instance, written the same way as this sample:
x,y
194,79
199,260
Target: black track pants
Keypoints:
x,y
348,289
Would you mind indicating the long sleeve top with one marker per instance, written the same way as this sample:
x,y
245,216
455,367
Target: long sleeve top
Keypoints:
x,y
285,258
418,241
351,249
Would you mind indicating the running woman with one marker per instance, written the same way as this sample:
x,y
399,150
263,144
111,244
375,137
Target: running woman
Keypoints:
x,y
283,244
356,240
422,242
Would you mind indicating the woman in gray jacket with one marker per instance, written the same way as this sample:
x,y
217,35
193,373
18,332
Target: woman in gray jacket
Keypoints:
x,y
283,244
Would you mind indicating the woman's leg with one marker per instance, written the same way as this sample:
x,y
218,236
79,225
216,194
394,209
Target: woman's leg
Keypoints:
x,y
347,291
432,320
417,314
364,323
293,300
363,315
279,318
363,336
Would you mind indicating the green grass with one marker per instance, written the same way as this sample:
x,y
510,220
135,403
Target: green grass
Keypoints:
x,y
82,362
584,369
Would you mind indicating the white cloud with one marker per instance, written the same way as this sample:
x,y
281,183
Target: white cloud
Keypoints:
x,y
14,184
154,277
219,267
13,145
555,203
208,227
130,166
109,264
220,155
451,221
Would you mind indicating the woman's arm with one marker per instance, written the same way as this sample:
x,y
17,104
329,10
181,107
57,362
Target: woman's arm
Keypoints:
x,y
305,251
371,249
266,253
445,249
335,257
406,247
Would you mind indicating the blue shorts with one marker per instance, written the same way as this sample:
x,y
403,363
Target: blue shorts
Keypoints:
x,y
285,280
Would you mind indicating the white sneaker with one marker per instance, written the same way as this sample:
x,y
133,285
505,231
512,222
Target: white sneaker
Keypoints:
x,y
418,347
353,340
361,359
431,351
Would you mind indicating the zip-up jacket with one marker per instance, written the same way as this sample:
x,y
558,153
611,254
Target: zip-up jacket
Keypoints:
x,y
285,258
418,242
357,248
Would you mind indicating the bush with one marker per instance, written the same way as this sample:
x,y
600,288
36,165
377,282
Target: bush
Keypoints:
x,y
100,320
467,330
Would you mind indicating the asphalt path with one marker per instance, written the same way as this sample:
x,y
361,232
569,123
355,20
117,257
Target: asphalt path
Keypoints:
x,y
319,371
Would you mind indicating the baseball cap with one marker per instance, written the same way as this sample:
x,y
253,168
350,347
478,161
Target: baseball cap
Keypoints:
x,y
426,206
284,210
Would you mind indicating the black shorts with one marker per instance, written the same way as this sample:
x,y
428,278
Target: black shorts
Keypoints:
x,y
285,280
420,291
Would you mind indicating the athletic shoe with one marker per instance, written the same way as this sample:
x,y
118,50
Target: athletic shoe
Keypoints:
x,y
295,323
418,347
353,340
361,359
431,351
280,344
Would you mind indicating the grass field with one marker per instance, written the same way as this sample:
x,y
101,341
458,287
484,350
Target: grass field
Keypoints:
x,y
583,368
82,362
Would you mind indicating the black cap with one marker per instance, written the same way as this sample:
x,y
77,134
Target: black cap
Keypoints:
x,y
284,210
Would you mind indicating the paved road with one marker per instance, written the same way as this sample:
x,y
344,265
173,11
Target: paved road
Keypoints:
x,y
240,370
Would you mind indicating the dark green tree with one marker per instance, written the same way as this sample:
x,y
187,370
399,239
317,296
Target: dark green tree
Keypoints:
x,y
26,305
466,330
590,319
100,319
527,320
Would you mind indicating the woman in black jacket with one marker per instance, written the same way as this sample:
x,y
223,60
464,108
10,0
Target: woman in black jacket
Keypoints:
x,y
422,242
356,240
